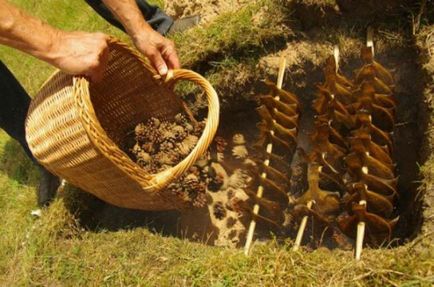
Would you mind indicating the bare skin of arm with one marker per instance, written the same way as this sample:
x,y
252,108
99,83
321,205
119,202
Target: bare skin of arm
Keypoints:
x,y
82,53
159,50
77,53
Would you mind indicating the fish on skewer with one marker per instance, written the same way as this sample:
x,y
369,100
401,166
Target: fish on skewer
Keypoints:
x,y
376,203
372,188
279,123
374,166
363,143
378,229
365,126
378,70
382,117
326,202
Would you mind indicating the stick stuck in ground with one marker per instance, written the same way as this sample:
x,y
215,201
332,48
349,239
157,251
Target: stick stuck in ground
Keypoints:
x,y
336,56
309,204
361,226
370,39
360,235
302,228
269,149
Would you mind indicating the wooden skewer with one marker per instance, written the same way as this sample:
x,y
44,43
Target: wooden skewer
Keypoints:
x,y
282,67
309,204
360,235
302,228
361,226
336,56
61,187
370,39
269,149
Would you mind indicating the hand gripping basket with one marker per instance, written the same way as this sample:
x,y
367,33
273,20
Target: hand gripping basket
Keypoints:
x,y
74,129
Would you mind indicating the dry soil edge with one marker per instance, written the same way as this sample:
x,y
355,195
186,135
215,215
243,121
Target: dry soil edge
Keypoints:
x,y
425,44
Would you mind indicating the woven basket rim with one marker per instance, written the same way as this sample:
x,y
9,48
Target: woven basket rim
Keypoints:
x,y
105,145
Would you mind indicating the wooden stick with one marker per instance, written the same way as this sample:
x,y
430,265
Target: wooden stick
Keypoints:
x,y
361,226
336,56
61,187
301,228
370,39
303,222
269,149
282,67
360,235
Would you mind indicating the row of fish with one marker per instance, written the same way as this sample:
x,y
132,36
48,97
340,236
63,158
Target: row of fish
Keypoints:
x,y
351,174
279,112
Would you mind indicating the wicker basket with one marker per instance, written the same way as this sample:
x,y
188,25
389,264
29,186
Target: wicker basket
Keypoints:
x,y
75,128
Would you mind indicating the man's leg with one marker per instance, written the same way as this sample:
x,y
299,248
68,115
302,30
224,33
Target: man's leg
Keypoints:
x,y
13,111
158,20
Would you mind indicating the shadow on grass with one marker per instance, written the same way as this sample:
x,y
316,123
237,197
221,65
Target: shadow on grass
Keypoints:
x,y
16,165
92,213
96,215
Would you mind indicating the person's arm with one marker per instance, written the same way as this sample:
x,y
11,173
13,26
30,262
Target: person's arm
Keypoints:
x,y
159,50
77,53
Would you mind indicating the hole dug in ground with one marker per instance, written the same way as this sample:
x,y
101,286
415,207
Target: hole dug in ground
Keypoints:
x,y
237,160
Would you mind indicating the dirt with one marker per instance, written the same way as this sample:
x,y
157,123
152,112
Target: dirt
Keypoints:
x,y
206,9
425,43
215,186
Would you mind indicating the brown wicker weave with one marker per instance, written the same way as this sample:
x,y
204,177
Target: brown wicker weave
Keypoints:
x,y
75,128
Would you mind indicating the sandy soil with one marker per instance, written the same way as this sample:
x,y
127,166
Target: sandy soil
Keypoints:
x,y
206,9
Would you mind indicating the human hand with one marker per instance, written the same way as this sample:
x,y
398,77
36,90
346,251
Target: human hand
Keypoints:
x,y
80,53
159,50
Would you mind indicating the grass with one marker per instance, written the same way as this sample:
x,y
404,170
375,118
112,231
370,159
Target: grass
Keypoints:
x,y
231,45
55,250
242,32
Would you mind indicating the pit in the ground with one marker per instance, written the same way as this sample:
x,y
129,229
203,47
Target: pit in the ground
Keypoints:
x,y
241,117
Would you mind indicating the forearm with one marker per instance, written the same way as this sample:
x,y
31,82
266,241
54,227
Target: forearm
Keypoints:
x,y
127,12
26,33
76,53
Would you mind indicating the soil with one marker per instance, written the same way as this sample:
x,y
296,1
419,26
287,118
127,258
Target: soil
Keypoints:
x,y
215,186
425,43
206,9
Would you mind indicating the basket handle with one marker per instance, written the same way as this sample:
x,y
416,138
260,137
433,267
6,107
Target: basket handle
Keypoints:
x,y
163,178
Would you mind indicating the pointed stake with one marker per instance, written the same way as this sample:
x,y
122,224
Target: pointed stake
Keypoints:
x,y
282,67
370,39
360,235
336,56
301,228
303,222
269,149
361,226
61,187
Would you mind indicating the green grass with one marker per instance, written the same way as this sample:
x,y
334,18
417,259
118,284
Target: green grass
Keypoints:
x,y
63,14
54,250
243,32
231,46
